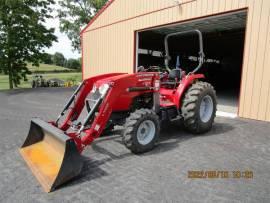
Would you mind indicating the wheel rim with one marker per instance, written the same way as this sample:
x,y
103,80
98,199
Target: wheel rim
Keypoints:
x,y
206,108
146,132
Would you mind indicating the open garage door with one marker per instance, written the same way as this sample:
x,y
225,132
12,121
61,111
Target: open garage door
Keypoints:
x,y
224,37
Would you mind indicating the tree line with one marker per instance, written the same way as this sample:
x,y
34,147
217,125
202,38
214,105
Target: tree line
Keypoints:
x,y
58,59
23,34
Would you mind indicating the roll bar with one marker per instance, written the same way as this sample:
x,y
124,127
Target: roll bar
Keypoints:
x,y
201,52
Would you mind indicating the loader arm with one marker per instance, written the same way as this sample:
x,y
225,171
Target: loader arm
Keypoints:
x,y
79,99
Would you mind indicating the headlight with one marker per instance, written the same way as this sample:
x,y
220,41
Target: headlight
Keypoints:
x,y
103,89
94,89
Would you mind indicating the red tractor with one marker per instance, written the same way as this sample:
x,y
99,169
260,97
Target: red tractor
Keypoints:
x,y
137,101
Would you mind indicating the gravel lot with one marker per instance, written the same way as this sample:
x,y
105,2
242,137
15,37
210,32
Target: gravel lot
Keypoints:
x,y
112,174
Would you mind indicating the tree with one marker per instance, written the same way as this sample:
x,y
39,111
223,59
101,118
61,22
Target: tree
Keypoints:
x,y
80,61
73,64
58,59
47,59
23,36
76,14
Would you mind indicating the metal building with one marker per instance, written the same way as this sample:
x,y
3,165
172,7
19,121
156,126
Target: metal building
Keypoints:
x,y
128,33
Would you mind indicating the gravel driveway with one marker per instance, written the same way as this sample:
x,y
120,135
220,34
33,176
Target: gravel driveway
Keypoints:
x,y
112,174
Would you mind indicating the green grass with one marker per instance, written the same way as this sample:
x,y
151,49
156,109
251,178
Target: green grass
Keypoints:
x,y
27,84
72,76
46,67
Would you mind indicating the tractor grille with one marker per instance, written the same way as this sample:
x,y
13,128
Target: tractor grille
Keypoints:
x,y
92,98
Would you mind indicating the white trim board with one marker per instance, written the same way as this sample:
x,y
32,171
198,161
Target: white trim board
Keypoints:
x,y
226,114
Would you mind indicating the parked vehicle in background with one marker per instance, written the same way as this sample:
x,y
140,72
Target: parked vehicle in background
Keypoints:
x,y
39,81
55,82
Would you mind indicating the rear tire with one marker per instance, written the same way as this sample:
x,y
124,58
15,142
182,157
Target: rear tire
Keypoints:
x,y
141,131
199,107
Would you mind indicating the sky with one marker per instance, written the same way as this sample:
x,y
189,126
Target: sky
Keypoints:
x,y
64,44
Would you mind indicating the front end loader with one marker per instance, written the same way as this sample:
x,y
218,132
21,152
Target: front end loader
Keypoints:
x,y
139,102
52,149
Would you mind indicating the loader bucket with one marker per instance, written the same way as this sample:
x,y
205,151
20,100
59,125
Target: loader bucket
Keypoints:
x,y
51,155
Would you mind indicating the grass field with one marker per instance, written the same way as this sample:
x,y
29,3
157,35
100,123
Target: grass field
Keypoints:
x,y
4,84
46,67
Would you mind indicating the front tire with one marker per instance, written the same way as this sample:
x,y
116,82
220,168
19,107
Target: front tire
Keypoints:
x,y
199,107
141,131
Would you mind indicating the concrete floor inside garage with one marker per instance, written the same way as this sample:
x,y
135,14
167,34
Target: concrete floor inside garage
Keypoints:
x,y
224,38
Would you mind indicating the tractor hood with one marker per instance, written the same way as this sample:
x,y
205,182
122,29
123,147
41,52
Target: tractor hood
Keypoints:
x,y
111,79
141,78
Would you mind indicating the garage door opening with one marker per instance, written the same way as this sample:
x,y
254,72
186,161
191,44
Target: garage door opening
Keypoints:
x,y
223,37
